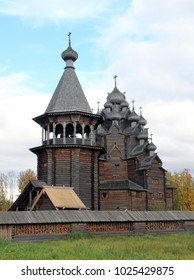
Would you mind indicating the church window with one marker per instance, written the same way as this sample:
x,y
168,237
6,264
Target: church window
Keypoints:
x,y
104,195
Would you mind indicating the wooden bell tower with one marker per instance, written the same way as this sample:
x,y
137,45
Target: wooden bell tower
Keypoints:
x,y
68,155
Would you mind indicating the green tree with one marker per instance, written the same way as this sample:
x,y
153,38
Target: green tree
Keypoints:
x,y
3,200
184,193
24,178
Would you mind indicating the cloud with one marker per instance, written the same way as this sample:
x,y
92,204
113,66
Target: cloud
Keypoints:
x,y
148,45
20,102
44,11
150,48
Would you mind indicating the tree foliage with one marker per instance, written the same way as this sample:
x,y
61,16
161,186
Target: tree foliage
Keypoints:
x,y
24,178
184,194
6,190
3,201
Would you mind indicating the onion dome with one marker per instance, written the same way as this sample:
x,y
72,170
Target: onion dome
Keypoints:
x,y
124,104
142,121
115,115
143,134
108,104
116,96
151,147
69,53
133,117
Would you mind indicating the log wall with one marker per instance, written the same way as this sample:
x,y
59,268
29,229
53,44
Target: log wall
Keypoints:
x,y
39,225
58,230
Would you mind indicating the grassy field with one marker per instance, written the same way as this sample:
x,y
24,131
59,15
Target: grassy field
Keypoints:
x,y
85,247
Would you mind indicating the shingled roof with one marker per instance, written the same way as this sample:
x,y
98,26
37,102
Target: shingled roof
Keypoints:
x,y
73,216
60,198
68,96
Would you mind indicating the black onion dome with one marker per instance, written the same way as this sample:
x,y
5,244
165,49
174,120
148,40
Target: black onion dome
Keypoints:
x,y
116,96
151,147
133,117
69,53
142,121
115,115
143,134
124,104
108,104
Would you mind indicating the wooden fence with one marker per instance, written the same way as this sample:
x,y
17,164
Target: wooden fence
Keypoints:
x,y
39,225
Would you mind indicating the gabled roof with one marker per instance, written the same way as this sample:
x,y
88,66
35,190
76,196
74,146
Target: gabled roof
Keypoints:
x,y
23,198
61,198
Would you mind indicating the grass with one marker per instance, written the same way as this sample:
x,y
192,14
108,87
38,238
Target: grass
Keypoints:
x,y
86,247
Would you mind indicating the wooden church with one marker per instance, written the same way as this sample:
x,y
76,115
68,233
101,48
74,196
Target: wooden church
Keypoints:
x,y
107,159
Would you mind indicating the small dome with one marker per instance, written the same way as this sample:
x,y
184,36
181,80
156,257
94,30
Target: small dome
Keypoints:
x,y
124,104
108,104
143,134
69,53
151,147
115,115
116,96
142,121
133,117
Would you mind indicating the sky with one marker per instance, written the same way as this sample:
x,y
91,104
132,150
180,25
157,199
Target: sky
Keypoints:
x,y
148,44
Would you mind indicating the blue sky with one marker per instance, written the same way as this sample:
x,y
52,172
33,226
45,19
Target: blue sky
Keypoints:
x,y
148,44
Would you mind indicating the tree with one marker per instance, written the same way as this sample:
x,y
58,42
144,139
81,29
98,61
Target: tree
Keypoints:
x,y
4,202
24,178
184,194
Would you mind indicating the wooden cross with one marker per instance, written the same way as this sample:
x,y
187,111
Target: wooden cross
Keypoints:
x,y
115,77
133,104
69,38
98,105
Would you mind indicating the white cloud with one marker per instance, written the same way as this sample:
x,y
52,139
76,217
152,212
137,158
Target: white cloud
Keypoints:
x,y
173,132
45,11
149,46
19,104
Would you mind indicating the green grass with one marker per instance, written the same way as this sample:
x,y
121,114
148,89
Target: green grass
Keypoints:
x,y
85,247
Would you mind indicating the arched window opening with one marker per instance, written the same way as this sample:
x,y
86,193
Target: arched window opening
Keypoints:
x,y
44,133
87,131
50,136
69,130
78,131
59,131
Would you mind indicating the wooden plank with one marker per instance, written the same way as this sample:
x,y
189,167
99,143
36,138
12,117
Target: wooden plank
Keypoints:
x,y
65,216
